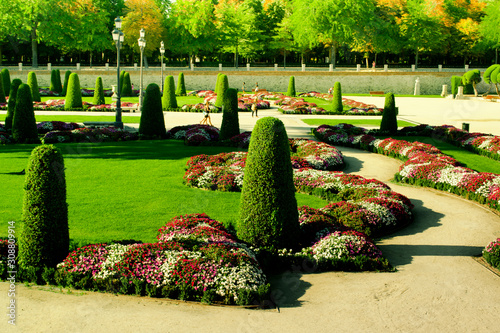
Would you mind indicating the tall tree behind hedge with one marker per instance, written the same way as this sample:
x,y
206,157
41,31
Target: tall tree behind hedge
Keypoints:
x,y
74,93
337,98
33,83
230,123
169,101
268,208
181,86
389,119
44,240
2,92
98,92
291,87
221,91
127,85
23,123
66,80
6,80
11,106
152,121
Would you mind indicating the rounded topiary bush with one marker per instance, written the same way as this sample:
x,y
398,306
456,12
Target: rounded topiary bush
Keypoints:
x,y
33,83
2,92
337,98
98,92
11,106
23,123
291,87
44,239
268,208
169,101
456,81
487,73
230,123
389,121
472,77
66,80
221,90
152,122
74,93
181,86
6,80
127,85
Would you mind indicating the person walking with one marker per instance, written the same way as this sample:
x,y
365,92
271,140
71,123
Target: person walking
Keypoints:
x,y
256,87
243,87
254,109
206,115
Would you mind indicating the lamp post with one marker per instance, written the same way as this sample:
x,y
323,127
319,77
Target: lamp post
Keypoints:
x,y
118,37
162,51
142,44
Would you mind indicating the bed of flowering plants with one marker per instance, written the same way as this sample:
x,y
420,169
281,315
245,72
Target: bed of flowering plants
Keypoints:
x,y
491,253
194,134
424,164
4,136
244,102
48,126
85,134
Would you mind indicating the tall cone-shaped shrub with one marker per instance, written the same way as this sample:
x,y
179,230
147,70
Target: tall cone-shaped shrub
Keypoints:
x,y
122,75
6,80
74,93
44,240
221,91
127,85
2,92
152,122
181,86
53,81
268,208
337,98
11,106
23,123
217,82
33,83
291,87
66,81
389,119
98,92
58,81
168,100
230,123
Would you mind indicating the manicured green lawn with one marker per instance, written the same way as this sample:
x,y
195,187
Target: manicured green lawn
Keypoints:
x,y
81,119
358,122
327,105
181,100
122,190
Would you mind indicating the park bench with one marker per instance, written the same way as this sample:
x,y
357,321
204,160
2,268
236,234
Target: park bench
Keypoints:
x,y
376,93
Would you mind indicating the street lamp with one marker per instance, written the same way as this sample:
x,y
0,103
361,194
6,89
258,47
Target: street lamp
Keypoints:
x,y
118,37
162,51
142,44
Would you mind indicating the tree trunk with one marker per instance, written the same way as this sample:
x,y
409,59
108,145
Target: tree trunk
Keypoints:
x,y
416,58
34,46
90,59
236,57
284,59
333,55
145,59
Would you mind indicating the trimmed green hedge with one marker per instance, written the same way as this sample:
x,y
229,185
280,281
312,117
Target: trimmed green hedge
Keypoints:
x,y
230,123
23,123
152,123
74,93
169,101
389,121
98,92
181,86
6,80
11,106
221,90
33,83
66,80
291,87
337,98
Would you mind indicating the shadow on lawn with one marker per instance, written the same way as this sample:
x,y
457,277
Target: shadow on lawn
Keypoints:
x,y
287,288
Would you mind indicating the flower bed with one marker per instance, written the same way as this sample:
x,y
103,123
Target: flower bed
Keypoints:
x,y
194,134
4,136
293,105
48,126
491,253
89,135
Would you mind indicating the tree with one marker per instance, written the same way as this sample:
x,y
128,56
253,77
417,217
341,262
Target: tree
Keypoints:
x,y
11,106
98,92
230,123
472,77
389,121
169,101
488,28
152,123
23,123
33,83
268,208
44,240
74,93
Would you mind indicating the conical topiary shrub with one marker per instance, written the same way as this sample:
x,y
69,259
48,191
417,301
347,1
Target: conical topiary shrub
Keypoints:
x,y
389,119
268,208
291,87
74,93
11,106
217,82
230,123
66,80
33,83
337,98
168,100
181,86
122,75
2,92
223,86
127,85
6,80
58,81
23,123
44,240
98,92
152,122
53,81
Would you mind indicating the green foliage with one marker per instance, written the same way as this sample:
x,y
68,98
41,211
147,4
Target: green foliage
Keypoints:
x,y
337,98
66,80
98,92
122,75
181,86
11,106
230,124
54,82
6,80
291,87
268,208
488,78
221,90
169,101
472,77
44,240
58,81
217,83
23,123
74,93
389,119
152,121
127,86
33,83
456,81
495,75
2,92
